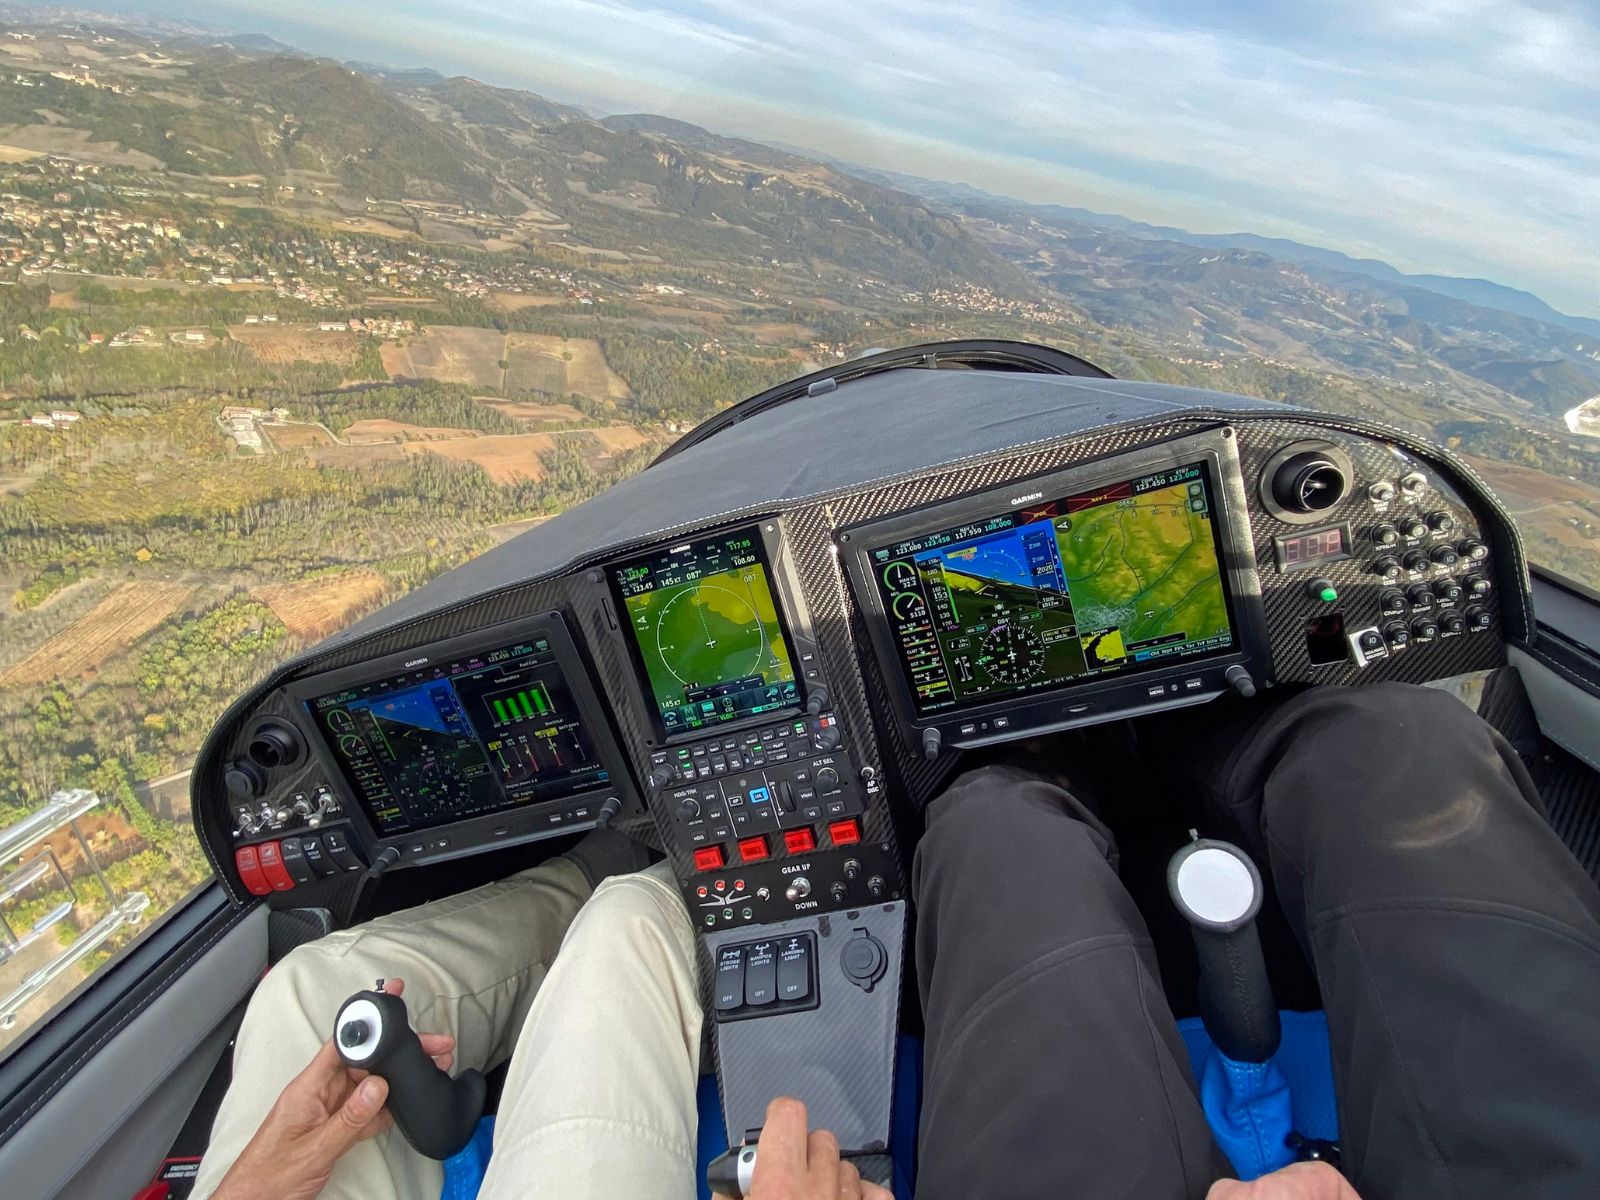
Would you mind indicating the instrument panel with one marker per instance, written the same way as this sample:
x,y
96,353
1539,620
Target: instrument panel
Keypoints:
x,y
1052,601
766,697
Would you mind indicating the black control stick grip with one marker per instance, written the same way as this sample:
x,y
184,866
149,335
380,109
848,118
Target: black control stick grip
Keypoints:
x,y
435,1113
1218,889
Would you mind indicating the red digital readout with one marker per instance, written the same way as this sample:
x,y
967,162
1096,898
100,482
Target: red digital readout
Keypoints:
x,y
1312,547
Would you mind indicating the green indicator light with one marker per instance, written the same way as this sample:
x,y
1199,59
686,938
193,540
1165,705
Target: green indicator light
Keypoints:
x,y
1328,594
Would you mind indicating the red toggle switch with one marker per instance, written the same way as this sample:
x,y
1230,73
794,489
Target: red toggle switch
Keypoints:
x,y
799,841
754,849
270,857
709,858
846,832
249,865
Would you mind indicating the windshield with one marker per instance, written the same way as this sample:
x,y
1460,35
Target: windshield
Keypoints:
x,y
299,310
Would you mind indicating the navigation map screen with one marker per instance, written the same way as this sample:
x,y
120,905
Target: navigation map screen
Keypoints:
x,y
706,634
1117,580
460,739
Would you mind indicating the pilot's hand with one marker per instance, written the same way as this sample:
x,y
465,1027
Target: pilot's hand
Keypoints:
x,y
323,1111
793,1166
1297,1181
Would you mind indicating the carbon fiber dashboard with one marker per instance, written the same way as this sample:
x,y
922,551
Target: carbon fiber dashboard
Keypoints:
x,y
816,587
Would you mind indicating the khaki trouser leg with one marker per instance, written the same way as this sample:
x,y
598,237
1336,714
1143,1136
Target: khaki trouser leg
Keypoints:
x,y
472,965
600,1100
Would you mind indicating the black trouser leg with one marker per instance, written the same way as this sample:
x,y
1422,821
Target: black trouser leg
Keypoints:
x,y
1456,941
1053,1065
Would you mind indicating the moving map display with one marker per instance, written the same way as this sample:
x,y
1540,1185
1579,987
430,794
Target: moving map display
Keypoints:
x,y
1123,578
460,739
705,633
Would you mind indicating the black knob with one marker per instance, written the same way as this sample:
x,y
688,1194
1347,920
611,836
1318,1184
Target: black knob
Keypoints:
x,y
1448,590
1424,629
243,780
1385,535
1309,483
1239,680
1441,522
1478,619
827,779
876,887
1381,492
852,869
1473,550
1388,566
1397,635
837,891
688,808
275,745
1415,529
660,776
1478,585
1416,560
1392,603
1420,595
1414,483
1452,622
826,738
818,701
1445,556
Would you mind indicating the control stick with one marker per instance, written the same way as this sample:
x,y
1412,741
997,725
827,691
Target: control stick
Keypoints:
x,y
1218,890
731,1172
435,1113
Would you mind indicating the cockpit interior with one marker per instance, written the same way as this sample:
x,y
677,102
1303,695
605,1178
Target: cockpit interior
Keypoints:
x,y
763,657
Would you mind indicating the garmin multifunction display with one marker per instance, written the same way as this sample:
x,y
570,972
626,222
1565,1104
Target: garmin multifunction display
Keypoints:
x,y
1123,578
461,738
705,632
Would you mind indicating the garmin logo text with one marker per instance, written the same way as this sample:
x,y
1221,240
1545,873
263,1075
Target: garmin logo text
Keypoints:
x,y
416,662
1024,499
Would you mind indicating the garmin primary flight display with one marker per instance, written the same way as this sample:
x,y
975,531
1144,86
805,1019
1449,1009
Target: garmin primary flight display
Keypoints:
x,y
1122,578
705,632
463,737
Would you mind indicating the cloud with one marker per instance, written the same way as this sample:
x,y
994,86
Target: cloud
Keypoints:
x,y
1453,135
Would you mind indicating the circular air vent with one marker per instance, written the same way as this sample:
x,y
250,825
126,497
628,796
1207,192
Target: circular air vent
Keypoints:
x,y
274,745
1303,482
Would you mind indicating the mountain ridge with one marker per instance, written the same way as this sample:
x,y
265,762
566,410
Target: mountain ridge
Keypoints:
x,y
1485,293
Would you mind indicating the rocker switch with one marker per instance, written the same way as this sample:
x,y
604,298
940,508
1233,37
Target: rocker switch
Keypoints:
x,y
729,984
794,969
761,974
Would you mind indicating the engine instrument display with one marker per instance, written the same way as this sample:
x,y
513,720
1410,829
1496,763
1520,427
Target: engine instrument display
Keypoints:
x,y
1123,578
705,632
461,737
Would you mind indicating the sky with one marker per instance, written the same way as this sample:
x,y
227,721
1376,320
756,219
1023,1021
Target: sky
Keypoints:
x,y
1460,137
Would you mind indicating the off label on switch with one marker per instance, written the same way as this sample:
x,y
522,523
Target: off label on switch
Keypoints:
x,y
729,985
760,974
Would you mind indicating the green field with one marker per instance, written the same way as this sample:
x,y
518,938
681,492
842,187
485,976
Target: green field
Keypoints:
x,y
1146,566
722,626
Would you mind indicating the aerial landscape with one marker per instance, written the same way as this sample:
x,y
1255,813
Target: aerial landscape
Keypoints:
x,y
284,337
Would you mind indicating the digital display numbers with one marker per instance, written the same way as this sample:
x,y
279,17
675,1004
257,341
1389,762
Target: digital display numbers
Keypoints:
x,y
1317,546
